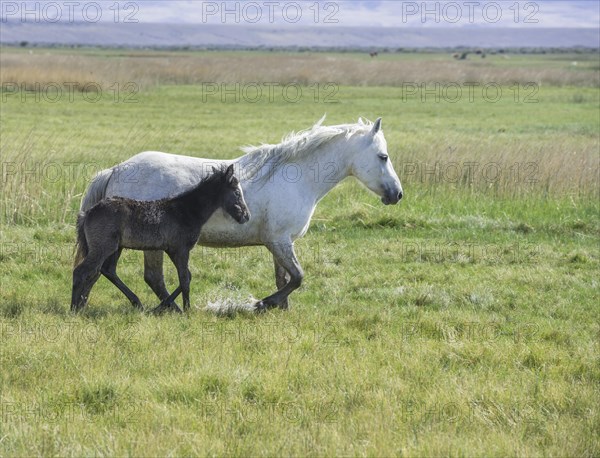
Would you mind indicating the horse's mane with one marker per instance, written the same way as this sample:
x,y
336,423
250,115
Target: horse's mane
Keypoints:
x,y
297,145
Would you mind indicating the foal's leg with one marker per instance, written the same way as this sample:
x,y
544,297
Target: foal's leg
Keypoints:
x,y
281,278
165,303
283,253
109,270
84,277
181,260
153,275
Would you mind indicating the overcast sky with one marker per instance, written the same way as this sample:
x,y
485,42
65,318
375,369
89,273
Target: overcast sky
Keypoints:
x,y
373,13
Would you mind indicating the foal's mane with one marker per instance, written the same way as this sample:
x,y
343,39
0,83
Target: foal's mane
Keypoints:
x,y
218,174
298,145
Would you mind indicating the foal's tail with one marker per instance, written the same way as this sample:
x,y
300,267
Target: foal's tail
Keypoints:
x,y
82,245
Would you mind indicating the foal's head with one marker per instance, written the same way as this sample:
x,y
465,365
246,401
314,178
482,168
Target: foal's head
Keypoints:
x,y
232,197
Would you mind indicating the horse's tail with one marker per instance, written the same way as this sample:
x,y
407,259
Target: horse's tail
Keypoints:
x,y
96,190
82,245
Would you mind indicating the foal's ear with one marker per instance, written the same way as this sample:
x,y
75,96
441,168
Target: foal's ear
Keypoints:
x,y
376,126
229,174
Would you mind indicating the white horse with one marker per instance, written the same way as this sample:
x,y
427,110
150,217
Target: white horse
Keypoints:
x,y
282,183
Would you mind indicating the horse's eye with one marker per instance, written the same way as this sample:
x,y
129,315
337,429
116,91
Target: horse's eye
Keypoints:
x,y
383,157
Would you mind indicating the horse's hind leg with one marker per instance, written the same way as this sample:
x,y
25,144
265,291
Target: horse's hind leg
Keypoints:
x,y
185,278
281,279
153,275
283,253
109,270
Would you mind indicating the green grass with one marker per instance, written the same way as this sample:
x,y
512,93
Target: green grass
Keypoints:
x,y
463,321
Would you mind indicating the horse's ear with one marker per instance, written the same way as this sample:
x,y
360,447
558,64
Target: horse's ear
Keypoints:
x,y
229,174
376,126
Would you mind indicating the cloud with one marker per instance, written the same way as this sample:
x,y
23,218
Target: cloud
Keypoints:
x,y
585,14
377,13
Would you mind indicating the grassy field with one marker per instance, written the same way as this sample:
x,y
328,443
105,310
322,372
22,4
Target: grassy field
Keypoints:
x,y
462,322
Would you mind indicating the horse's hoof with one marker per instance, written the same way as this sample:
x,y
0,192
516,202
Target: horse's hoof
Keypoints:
x,y
158,310
155,311
161,309
260,307
75,309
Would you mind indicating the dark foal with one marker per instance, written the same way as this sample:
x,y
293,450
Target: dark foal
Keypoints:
x,y
172,225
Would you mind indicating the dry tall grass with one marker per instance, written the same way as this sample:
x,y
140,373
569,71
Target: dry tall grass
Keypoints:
x,y
504,168
48,188
148,69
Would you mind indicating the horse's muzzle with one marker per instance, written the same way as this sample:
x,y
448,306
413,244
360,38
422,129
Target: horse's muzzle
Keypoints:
x,y
392,198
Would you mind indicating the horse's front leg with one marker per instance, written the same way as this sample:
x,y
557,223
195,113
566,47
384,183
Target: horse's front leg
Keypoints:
x,y
153,275
285,257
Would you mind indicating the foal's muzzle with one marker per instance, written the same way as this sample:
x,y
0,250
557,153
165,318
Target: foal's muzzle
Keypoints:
x,y
244,217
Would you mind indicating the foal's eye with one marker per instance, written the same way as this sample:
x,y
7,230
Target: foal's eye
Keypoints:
x,y
383,157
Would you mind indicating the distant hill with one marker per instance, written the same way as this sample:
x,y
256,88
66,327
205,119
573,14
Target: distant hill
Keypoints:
x,y
239,36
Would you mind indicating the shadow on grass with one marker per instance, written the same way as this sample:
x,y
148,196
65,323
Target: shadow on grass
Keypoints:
x,y
13,307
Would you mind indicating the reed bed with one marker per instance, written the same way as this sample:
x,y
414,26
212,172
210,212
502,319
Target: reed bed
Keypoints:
x,y
149,70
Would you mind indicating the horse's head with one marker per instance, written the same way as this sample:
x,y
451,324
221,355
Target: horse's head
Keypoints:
x,y
233,197
373,167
